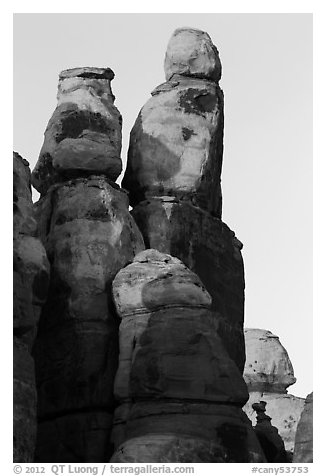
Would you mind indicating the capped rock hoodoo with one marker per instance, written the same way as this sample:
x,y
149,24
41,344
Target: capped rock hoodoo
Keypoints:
x,y
89,234
268,373
268,436
179,392
83,136
30,284
173,177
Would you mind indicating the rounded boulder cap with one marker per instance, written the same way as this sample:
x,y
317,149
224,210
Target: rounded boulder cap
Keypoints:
x,y
87,73
191,52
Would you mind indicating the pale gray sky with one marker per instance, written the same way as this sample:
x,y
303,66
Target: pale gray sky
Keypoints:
x,y
267,170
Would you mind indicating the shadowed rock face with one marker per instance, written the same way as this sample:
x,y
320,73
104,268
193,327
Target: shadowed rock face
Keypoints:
x,y
30,283
268,372
303,448
175,381
83,136
89,235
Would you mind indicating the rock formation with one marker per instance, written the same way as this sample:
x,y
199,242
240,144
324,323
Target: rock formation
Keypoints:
x,y
303,447
88,233
30,282
83,135
268,436
180,394
173,178
268,372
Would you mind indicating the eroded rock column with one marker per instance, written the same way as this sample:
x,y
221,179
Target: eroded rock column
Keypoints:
x,y
180,394
173,177
30,283
84,222
268,373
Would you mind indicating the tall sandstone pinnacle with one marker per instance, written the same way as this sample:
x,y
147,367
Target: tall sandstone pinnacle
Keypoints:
x,y
268,373
303,447
89,235
30,283
173,177
180,393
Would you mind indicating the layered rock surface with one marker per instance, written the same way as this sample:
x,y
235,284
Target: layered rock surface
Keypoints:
x,y
303,448
30,282
268,373
89,235
180,394
83,136
173,178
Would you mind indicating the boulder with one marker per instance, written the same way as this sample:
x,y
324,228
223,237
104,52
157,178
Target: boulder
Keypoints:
x,y
83,136
175,381
89,235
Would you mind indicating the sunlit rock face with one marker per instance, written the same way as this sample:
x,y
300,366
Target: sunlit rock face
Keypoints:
x,y
303,448
173,178
191,53
176,384
268,373
30,283
83,136
89,234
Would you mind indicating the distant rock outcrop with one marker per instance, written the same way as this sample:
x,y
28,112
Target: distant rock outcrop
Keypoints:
x,y
268,372
83,136
180,394
303,447
30,283
173,177
89,234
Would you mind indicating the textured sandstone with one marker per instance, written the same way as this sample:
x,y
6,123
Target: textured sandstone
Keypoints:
x,y
190,52
83,136
79,437
268,436
173,179
89,235
303,448
210,249
175,380
176,144
268,365
30,283
268,372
